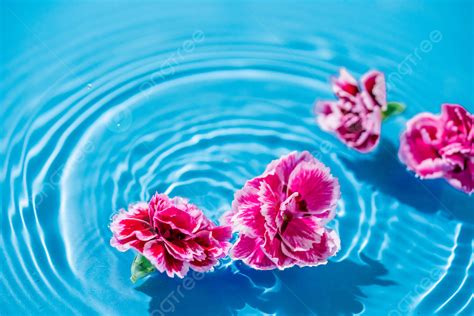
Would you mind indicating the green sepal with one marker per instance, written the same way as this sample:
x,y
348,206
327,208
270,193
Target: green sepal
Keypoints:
x,y
393,108
141,267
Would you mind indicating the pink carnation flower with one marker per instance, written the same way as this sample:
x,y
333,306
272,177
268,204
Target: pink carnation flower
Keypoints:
x,y
281,215
441,146
355,118
172,234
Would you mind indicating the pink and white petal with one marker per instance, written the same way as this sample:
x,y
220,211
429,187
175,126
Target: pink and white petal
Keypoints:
x,y
219,250
316,186
126,223
212,246
270,195
288,210
456,119
154,251
139,209
120,246
374,83
427,127
248,195
366,143
328,115
193,211
463,180
368,101
244,247
285,165
226,218
176,267
301,233
345,86
432,168
249,221
246,217
203,238
180,249
370,137
145,234
420,140
203,265
132,242
327,246
272,247
221,233
158,203
456,154
178,219
248,249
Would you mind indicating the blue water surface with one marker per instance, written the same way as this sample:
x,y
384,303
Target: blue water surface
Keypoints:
x,y
102,103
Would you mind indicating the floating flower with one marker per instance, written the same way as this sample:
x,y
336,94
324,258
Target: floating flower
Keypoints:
x,y
172,234
281,215
356,117
441,146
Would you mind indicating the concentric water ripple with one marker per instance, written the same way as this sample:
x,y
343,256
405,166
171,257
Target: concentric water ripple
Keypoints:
x,y
193,101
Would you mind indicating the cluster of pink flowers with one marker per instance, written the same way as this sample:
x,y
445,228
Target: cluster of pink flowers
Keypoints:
x,y
356,117
172,234
432,146
281,215
441,146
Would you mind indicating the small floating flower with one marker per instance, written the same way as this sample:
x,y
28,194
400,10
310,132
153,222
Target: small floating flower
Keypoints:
x,y
281,215
441,146
172,236
356,117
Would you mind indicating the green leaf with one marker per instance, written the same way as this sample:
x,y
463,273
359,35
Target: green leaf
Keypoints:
x,y
141,267
393,108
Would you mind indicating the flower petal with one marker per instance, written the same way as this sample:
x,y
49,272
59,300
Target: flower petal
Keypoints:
x,y
272,247
318,189
270,195
327,246
249,250
154,251
328,115
285,165
131,229
246,216
418,146
127,243
464,179
301,233
180,249
374,84
221,233
126,223
457,120
164,262
178,219
345,86
204,265
158,203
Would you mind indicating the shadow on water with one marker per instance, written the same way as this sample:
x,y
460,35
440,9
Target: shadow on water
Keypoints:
x,y
385,172
325,290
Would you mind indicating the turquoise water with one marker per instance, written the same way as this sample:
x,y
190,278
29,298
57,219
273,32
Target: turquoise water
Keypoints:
x,y
104,103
